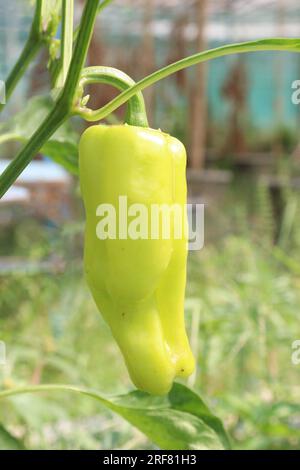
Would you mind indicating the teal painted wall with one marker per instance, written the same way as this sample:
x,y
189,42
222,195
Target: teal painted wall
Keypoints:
x,y
269,76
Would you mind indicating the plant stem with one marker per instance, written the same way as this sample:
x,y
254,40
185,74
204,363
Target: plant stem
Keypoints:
x,y
62,107
42,388
80,51
59,388
136,111
275,44
66,41
57,65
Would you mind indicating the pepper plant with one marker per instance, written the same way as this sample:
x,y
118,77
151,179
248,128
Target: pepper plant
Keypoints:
x,y
178,419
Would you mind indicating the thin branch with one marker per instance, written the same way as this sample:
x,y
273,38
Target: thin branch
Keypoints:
x,y
275,44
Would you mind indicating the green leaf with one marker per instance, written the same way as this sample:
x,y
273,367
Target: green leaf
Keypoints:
x,y
62,146
63,152
179,421
183,421
9,442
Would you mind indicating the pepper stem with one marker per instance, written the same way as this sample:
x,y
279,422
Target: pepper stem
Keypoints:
x,y
136,112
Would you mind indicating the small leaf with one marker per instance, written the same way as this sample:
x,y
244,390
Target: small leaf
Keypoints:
x,y
62,147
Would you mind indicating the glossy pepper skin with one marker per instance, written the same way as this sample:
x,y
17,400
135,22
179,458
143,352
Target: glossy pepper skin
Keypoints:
x,y
138,285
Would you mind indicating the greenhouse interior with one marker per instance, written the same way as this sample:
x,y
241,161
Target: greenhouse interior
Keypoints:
x,y
66,295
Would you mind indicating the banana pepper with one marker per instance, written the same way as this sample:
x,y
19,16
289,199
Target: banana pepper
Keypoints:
x,y
138,283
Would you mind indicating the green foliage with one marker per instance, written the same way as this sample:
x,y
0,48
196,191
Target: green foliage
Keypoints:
x,y
247,290
180,421
61,147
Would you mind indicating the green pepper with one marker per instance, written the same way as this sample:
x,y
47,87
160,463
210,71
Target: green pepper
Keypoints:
x,y
138,284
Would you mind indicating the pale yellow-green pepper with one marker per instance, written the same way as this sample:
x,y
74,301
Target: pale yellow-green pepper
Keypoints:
x,y
138,284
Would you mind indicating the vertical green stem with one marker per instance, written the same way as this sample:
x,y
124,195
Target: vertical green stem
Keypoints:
x,y
80,51
66,41
62,107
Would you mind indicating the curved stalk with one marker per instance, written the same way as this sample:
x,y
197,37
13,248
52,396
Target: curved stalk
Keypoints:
x,y
47,388
275,44
136,111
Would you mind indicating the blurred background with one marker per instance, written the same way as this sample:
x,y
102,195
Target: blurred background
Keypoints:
x,y
240,127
